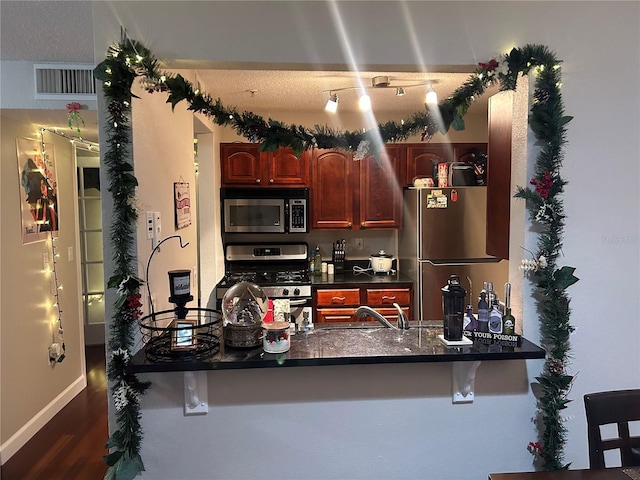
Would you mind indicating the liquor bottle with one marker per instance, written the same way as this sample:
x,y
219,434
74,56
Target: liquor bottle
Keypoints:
x,y
495,319
469,323
483,313
508,320
492,298
317,260
312,262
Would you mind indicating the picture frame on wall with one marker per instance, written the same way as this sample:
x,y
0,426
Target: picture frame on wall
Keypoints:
x,y
182,202
38,190
184,334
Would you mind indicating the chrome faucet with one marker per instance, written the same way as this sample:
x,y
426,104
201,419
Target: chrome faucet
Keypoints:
x,y
402,323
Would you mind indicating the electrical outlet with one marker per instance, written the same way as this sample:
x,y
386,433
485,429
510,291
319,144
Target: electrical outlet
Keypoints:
x,y
149,225
70,254
359,243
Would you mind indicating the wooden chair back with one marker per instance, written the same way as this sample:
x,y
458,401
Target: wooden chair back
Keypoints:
x,y
614,407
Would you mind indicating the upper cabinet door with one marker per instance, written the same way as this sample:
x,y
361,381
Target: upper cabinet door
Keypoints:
x,y
421,159
332,190
240,164
499,174
285,169
380,190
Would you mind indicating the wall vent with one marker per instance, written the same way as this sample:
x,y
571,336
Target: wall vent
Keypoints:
x,y
64,82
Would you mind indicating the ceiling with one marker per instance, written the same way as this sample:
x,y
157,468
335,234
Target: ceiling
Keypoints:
x,y
268,91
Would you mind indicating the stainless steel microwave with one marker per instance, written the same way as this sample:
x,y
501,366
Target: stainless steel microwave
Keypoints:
x,y
265,210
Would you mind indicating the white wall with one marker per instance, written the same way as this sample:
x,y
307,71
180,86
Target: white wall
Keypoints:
x,y
397,421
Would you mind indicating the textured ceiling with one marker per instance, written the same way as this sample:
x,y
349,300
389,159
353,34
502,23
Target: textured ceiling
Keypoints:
x,y
61,31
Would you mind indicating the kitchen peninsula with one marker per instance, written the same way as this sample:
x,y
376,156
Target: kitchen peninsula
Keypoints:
x,y
350,344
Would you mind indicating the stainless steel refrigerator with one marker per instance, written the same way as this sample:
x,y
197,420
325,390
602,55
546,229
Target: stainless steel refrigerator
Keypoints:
x,y
444,233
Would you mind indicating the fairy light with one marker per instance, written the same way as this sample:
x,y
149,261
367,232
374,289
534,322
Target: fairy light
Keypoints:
x,y
57,321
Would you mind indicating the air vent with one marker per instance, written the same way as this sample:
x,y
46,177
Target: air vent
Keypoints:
x,y
64,82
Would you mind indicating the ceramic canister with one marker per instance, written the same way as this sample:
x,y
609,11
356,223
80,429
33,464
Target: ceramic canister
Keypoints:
x,y
276,337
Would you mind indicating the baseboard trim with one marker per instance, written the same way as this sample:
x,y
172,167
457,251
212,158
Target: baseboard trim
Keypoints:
x,y
33,426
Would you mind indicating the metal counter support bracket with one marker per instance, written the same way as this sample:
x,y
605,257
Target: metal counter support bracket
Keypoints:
x,y
463,375
195,393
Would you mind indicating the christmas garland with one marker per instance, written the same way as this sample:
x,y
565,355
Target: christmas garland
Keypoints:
x,y
130,60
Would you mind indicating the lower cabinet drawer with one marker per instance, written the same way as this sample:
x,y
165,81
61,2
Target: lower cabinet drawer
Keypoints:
x,y
349,296
324,315
389,296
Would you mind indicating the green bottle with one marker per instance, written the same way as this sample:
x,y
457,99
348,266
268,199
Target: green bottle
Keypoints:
x,y
508,320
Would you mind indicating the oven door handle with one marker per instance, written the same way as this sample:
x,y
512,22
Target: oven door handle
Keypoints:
x,y
303,301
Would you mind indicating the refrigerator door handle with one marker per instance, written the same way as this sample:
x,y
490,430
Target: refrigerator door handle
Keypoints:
x,y
453,263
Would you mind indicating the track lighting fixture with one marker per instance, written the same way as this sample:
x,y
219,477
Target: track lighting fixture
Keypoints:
x,y
332,103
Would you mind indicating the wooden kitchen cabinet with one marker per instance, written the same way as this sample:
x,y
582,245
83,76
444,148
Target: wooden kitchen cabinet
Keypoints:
x,y
499,174
363,194
339,304
421,157
243,165
336,305
331,189
380,193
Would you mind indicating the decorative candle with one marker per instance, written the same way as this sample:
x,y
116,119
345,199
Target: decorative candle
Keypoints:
x,y
180,283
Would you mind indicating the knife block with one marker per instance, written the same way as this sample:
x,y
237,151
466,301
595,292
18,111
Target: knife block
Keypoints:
x,y
337,258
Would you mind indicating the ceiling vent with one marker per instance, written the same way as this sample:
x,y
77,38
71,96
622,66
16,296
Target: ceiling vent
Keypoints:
x,y
64,82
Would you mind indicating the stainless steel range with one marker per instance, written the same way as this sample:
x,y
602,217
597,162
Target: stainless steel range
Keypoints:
x,y
281,270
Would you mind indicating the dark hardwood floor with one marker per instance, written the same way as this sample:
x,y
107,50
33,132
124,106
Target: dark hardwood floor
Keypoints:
x,y
72,444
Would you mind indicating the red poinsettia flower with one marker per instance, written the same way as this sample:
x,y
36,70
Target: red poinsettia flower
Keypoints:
x,y
73,107
133,302
492,65
535,448
543,186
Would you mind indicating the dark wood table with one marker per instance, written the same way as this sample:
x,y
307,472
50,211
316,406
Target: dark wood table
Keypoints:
x,y
606,474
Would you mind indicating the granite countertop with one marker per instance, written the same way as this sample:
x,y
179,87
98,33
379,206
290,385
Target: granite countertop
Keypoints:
x,y
361,278
346,344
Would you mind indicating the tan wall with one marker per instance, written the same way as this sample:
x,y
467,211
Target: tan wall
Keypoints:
x,y
28,384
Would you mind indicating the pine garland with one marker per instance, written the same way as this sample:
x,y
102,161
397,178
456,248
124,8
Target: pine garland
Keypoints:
x,y
129,60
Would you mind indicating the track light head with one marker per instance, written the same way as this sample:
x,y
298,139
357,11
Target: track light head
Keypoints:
x,y
332,103
364,103
400,91
432,96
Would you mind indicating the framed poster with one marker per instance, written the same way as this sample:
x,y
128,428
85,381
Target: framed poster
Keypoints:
x,y
38,190
182,201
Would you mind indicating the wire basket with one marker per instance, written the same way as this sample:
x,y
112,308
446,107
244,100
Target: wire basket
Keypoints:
x,y
169,339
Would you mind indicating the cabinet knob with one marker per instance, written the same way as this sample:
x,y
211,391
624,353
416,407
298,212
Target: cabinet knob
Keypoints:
x,y
271,180
257,180
363,225
349,224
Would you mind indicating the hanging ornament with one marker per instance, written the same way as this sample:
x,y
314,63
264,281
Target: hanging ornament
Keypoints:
x,y
115,109
541,96
74,120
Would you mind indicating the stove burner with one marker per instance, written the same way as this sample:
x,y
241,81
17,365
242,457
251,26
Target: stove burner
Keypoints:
x,y
292,276
235,277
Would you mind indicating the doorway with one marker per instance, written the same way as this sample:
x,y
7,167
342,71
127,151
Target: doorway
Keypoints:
x,y
91,255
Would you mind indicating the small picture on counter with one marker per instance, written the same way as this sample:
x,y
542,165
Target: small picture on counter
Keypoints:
x,y
183,334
